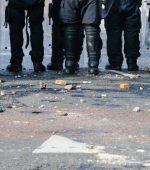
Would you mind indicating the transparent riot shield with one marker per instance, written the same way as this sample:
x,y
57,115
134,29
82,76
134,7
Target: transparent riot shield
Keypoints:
x,y
145,32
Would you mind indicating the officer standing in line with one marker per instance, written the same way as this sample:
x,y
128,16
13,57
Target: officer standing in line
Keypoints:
x,y
16,19
57,57
57,38
73,14
124,16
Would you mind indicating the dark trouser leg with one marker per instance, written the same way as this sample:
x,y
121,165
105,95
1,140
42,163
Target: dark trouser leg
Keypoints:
x,y
57,47
94,45
36,15
131,36
80,46
114,49
71,32
114,27
16,25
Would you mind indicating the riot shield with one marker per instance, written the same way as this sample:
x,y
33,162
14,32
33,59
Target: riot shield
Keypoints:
x,y
145,32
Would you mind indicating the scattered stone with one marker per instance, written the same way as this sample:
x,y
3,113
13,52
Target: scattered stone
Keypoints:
x,y
136,109
61,82
13,92
90,146
2,93
82,101
69,87
42,106
86,82
63,114
2,81
141,88
140,150
43,85
103,95
14,106
124,86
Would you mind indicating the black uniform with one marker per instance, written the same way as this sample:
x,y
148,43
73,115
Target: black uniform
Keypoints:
x,y
75,13
16,25
57,40
123,16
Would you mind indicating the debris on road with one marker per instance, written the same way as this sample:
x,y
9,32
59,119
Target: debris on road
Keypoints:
x,y
43,85
131,76
103,95
62,113
82,101
2,93
86,82
2,81
136,109
70,87
61,82
124,86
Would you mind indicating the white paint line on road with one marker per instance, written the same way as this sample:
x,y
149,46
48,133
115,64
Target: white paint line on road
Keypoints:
x,y
59,144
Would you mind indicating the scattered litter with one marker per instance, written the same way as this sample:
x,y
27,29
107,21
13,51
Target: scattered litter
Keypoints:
x,y
43,85
2,81
140,150
86,82
124,86
82,101
141,88
90,146
2,93
70,87
14,106
42,106
13,92
63,114
103,95
136,109
131,76
61,82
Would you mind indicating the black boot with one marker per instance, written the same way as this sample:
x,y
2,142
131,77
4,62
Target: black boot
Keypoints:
x,y
39,67
113,67
14,67
94,45
55,67
71,40
132,65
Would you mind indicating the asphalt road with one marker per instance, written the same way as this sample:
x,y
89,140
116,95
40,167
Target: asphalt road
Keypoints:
x,y
96,113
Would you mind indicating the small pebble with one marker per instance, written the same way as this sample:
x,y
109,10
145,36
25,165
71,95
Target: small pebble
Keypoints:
x,y
136,109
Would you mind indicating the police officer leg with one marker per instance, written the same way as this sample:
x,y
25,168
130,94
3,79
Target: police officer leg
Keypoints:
x,y
132,42
71,32
94,45
114,28
16,25
57,39
57,47
36,17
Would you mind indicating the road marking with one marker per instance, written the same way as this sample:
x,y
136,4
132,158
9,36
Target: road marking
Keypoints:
x,y
59,144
